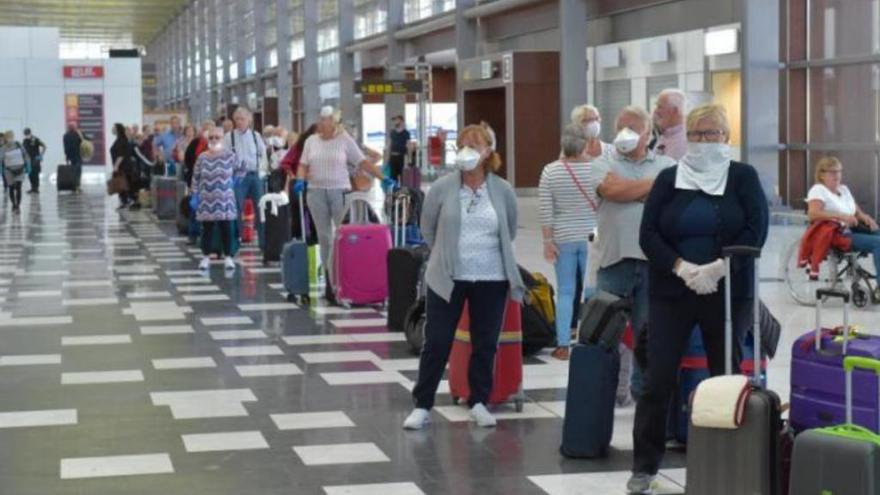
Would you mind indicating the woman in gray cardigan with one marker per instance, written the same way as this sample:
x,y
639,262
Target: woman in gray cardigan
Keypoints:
x,y
469,222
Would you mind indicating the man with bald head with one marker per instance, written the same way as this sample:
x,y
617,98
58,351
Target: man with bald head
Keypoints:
x,y
669,113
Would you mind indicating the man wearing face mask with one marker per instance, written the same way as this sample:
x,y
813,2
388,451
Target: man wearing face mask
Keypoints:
x,y
706,203
622,181
669,121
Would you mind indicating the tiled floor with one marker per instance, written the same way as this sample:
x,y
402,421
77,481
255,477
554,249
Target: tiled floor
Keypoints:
x,y
125,370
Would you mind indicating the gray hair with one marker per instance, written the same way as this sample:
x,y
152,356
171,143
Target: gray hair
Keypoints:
x,y
580,112
639,113
242,110
676,98
573,140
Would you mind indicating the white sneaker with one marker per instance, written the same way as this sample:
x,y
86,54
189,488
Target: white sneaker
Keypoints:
x,y
482,416
417,419
229,263
205,263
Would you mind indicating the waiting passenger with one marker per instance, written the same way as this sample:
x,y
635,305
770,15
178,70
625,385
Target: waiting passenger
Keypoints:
x,y
216,209
121,156
189,134
568,216
324,164
622,181
196,147
73,152
248,145
15,164
589,117
696,209
829,199
669,115
469,220
36,149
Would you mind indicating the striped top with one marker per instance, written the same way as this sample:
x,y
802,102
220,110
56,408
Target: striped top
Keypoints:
x,y
212,181
328,160
562,204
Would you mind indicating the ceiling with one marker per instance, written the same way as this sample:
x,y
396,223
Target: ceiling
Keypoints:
x,y
94,20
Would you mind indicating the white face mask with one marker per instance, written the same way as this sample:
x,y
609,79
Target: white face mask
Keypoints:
x,y
215,145
467,159
703,156
593,129
627,140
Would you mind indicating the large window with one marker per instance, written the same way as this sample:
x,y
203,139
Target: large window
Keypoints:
x,y
832,95
371,18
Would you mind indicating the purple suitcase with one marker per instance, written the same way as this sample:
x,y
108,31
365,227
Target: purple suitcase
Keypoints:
x,y
818,378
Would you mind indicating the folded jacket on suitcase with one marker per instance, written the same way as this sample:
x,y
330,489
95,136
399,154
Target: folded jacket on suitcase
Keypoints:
x,y
720,402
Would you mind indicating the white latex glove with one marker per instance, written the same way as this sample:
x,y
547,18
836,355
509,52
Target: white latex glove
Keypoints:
x,y
686,271
707,278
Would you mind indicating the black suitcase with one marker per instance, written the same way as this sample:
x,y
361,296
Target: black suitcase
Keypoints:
x,y
66,178
405,265
276,233
589,401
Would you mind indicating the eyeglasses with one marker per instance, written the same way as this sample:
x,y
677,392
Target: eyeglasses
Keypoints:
x,y
710,135
215,138
475,200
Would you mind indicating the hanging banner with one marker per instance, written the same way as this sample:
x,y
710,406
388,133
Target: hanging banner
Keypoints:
x,y
87,112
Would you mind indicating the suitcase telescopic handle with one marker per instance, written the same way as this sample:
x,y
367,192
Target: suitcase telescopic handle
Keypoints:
x,y
849,365
754,253
821,295
302,218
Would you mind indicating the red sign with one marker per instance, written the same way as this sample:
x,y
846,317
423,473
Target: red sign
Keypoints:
x,y
83,72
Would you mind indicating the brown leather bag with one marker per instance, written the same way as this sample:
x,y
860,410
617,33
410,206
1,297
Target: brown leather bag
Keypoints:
x,y
117,184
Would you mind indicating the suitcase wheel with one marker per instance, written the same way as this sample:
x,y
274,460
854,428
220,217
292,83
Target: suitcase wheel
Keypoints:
x,y
455,400
291,298
518,405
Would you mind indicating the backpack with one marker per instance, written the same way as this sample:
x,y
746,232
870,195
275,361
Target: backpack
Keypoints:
x,y
86,148
538,313
13,159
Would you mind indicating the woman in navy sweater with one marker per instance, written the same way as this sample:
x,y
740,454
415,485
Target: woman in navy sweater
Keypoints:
x,y
694,210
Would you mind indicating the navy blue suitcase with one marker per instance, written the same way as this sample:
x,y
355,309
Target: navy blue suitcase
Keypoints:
x,y
295,265
589,402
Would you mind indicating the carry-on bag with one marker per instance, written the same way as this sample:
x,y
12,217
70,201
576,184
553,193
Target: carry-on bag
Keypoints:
x,y
604,318
817,374
248,222
276,232
538,313
295,265
744,460
414,326
404,271
166,197
841,459
65,179
508,373
360,259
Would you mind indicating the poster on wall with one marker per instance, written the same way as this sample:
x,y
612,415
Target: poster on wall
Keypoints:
x,y
87,112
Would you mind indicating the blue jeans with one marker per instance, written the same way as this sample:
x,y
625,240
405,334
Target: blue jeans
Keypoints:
x,y
868,243
570,264
629,278
250,187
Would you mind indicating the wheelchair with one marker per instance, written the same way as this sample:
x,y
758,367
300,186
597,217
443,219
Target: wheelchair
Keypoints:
x,y
840,270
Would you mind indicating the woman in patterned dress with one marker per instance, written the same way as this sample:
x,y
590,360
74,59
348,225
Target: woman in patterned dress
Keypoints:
x,y
212,184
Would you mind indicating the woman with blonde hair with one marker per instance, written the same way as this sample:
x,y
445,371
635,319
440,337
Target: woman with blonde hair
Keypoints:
x,y
588,117
469,222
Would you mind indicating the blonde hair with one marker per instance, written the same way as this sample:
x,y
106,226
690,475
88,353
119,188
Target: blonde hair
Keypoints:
x,y
478,133
580,112
717,113
825,164
638,112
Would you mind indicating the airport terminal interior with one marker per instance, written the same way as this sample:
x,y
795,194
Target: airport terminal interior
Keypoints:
x,y
131,363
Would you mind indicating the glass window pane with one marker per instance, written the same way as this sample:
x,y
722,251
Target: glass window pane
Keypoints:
x,y
844,28
328,66
328,37
272,58
297,49
845,104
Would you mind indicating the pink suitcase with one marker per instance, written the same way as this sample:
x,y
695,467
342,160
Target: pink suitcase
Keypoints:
x,y
360,267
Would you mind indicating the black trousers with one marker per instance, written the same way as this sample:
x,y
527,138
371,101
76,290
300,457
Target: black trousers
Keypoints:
x,y
15,193
486,303
396,161
209,230
34,176
670,323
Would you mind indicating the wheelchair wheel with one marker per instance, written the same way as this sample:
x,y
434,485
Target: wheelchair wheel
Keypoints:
x,y
801,288
861,296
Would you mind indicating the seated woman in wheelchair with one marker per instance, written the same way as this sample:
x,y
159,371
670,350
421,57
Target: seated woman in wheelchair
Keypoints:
x,y
829,199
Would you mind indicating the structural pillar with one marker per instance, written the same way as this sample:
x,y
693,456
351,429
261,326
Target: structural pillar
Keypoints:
x,y
394,104
465,48
572,56
282,25
347,101
311,95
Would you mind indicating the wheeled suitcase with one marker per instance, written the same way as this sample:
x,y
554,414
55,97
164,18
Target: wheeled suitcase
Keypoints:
x,y
745,460
65,179
411,178
842,459
589,401
248,222
360,261
404,273
817,374
183,216
276,233
295,266
508,373
166,196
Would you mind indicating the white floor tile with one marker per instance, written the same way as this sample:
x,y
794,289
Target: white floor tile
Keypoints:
x,y
156,294
375,489
46,273
30,360
226,320
81,284
190,280
403,364
139,278
173,259
217,442
268,307
378,337
94,301
599,482
166,329
184,363
461,413
196,288
34,321
98,467
253,350
317,339
363,377
182,273
39,293
25,419
95,377
359,323
96,340
259,370
338,357
312,420
238,334
195,404
263,271
345,453
205,298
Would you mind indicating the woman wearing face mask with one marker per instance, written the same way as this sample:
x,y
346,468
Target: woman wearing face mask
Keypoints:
x,y
214,194
588,117
694,210
324,165
469,222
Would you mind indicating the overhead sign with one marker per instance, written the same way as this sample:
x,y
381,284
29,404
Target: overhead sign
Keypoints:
x,y
83,72
389,87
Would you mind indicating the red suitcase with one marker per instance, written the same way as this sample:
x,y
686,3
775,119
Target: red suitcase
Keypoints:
x,y
248,218
507,384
